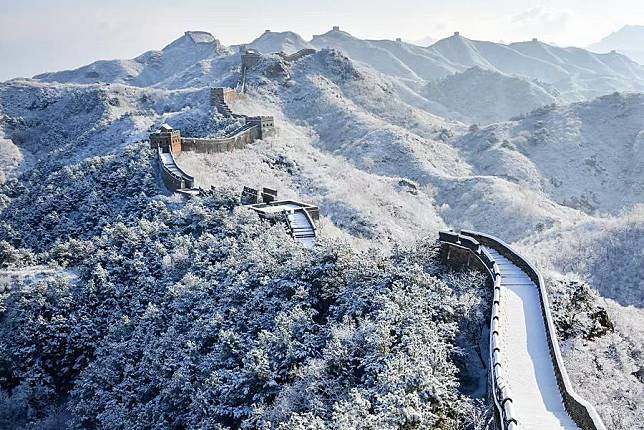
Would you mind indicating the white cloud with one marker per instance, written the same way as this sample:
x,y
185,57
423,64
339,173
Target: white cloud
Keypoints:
x,y
546,20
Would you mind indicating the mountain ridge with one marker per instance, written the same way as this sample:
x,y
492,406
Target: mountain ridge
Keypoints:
x,y
628,40
198,59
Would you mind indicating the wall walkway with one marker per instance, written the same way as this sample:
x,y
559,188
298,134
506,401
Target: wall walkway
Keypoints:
x,y
528,380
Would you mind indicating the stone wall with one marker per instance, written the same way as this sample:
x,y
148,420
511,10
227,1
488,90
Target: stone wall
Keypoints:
x,y
265,125
168,141
173,177
468,243
249,58
224,144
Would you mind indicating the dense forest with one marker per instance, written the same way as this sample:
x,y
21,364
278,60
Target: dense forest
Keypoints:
x,y
159,311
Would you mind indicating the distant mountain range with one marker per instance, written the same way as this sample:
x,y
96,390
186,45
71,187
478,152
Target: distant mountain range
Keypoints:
x,y
149,68
392,140
628,40
517,76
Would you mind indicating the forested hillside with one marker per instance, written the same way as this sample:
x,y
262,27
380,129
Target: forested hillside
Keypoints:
x,y
122,305
168,313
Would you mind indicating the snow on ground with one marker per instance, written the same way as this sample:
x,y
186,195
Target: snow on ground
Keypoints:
x,y
607,251
361,141
534,69
11,159
286,42
587,156
526,363
10,279
615,357
483,96
352,202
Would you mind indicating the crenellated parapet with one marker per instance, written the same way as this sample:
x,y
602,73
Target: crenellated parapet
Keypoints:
x,y
519,289
298,217
297,55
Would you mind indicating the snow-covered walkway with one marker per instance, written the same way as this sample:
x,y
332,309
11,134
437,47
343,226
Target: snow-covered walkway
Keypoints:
x,y
528,366
302,227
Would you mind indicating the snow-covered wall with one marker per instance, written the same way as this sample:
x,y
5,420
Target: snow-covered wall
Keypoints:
x,y
475,244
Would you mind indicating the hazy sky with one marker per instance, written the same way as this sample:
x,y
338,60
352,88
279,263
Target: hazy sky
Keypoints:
x,y
47,35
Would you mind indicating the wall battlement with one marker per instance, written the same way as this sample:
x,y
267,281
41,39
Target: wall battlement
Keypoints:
x,y
167,138
498,259
297,55
299,217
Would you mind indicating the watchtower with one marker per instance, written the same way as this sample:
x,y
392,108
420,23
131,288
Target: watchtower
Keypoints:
x,y
265,124
250,57
167,138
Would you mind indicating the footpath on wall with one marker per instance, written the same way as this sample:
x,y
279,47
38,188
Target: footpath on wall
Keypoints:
x,y
528,382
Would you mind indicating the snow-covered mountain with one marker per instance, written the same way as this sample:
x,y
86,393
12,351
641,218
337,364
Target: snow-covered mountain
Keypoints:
x,y
483,96
371,131
577,73
628,40
587,156
551,74
397,59
535,59
287,42
193,49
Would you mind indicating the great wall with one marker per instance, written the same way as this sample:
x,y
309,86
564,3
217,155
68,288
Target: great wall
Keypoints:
x,y
298,217
527,380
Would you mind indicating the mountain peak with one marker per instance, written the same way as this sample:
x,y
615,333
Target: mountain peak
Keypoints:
x,y
279,41
194,38
200,36
627,40
335,32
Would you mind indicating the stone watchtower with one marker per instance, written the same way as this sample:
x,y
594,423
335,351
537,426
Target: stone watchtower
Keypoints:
x,y
265,125
250,57
167,138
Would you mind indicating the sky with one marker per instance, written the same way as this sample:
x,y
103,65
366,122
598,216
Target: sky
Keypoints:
x,y
38,36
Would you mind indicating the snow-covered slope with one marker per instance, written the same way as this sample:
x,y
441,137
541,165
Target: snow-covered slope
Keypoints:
x,y
342,128
588,156
577,73
628,40
606,251
536,60
286,41
397,59
551,74
149,68
68,122
484,96
355,135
